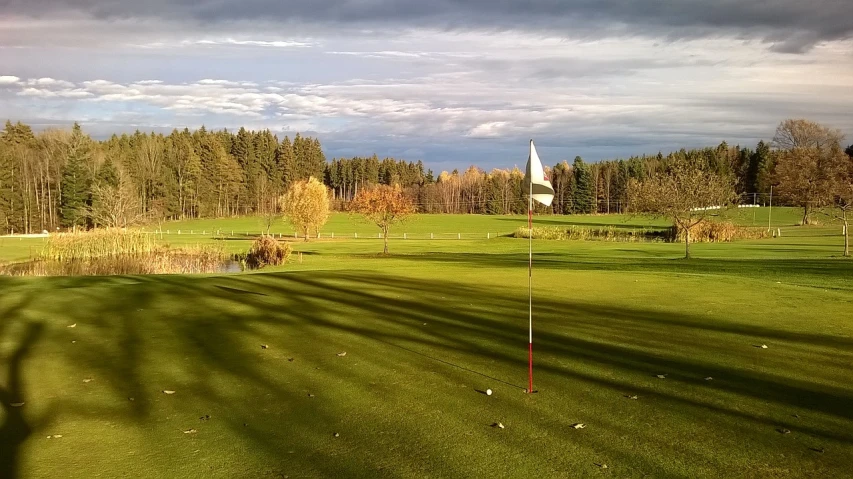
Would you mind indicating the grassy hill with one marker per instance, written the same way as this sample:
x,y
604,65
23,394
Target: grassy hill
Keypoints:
x,y
425,331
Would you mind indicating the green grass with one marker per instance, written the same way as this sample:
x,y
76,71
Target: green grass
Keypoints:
x,y
424,331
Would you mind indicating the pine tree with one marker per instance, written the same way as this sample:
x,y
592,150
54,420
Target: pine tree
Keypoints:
x,y
584,189
756,171
107,173
286,163
76,181
9,194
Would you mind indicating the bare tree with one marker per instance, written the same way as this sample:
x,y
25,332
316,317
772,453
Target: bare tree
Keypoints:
x,y
684,194
841,190
805,162
149,159
115,206
800,133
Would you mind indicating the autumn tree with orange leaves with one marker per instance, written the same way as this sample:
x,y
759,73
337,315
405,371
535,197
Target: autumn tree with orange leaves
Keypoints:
x,y
384,206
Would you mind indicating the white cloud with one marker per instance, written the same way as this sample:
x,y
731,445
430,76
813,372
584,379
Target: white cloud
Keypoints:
x,y
492,129
420,87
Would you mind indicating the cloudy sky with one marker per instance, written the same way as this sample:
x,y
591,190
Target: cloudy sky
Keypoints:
x,y
450,82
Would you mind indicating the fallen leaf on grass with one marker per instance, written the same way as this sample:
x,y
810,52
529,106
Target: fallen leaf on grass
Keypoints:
x,y
16,404
783,431
87,380
579,425
264,346
760,346
206,417
498,425
56,436
633,397
661,376
166,391
342,354
72,325
709,378
817,449
310,395
336,434
601,465
291,359
190,431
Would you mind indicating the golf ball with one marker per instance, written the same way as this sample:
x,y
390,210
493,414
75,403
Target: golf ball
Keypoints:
x,y
488,392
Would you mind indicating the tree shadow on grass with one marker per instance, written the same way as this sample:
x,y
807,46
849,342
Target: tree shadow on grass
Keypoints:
x,y
15,430
147,334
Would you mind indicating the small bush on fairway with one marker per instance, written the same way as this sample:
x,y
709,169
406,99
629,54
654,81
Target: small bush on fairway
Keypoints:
x,y
266,251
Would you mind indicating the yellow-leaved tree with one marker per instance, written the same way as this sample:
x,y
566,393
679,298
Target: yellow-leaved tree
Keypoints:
x,y
384,206
306,206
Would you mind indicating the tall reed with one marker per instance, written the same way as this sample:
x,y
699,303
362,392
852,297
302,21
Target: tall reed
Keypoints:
x,y
580,233
98,243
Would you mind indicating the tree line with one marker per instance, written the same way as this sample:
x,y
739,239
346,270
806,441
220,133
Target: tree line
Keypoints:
x,y
64,178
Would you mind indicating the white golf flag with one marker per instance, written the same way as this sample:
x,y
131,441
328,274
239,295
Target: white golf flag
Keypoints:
x,y
535,176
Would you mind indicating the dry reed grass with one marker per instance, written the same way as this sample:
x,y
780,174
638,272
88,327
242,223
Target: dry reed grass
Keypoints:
x,y
719,232
704,232
97,243
115,251
579,233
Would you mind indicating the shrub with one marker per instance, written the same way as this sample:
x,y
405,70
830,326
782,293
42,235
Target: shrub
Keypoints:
x,y
266,251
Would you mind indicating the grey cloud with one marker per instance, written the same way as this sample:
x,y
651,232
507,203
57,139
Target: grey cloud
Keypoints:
x,y
790,25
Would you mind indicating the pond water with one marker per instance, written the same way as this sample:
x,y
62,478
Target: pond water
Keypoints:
x,y
230,266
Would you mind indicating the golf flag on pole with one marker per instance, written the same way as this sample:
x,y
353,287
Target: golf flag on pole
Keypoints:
x,y
538,188
535,179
